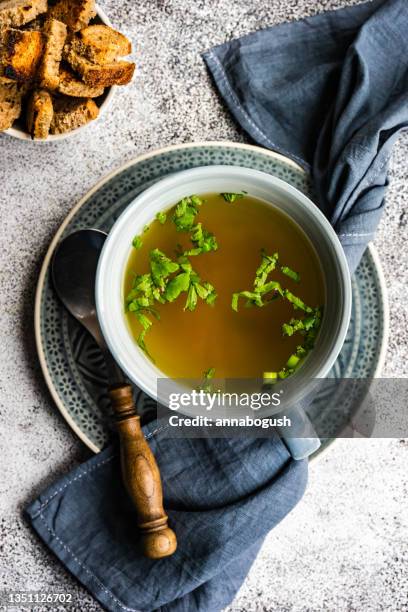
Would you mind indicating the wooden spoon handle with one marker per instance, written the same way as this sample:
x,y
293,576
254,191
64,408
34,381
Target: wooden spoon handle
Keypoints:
x,y
141,477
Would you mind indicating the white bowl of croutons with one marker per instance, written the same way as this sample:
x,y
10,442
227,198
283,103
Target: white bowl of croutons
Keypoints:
x,y
60,62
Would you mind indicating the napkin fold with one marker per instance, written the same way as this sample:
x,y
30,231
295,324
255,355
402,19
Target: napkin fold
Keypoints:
x,y
331,93
222,496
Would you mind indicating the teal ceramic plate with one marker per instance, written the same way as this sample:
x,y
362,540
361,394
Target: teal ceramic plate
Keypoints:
x,y
72,364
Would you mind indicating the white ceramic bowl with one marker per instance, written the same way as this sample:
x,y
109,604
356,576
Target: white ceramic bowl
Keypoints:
x,y
18,130
210,179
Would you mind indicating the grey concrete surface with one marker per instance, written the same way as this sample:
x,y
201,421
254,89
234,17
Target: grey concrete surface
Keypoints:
x,y
345,547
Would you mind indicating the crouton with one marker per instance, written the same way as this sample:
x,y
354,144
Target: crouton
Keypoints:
x,y
115,73
72,113
15,13
55,33
101,44
70,85
76,14
36,24
21,54
39,114
10,104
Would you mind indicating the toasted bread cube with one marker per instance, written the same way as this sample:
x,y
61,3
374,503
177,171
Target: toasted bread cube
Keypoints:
x,y
101,44
115,73
70,85
55,33
37,24
16,13
39,114
3,40
21,55
72,113
76,14
10,104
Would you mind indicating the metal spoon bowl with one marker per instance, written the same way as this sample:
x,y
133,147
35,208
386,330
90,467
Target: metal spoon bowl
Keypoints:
x,y
73,272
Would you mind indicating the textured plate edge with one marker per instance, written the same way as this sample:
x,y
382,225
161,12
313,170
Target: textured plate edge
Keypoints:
x,y
386,310
46,262
383,291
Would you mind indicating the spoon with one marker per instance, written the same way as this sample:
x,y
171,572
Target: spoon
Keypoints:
x,y
73,273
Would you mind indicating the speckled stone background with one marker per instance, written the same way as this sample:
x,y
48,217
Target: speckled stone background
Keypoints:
x,y
345,547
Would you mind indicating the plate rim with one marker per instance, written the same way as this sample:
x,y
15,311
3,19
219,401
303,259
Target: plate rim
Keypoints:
x,y
107,178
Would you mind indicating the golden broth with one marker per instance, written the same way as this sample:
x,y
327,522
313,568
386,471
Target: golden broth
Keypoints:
x,y
240,344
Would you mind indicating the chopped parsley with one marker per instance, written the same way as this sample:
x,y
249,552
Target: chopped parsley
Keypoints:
x,y
137,242
253,299
184,219
261,287
306,324
265,291
177,285
167,278
208,374
308,327
203,241
290,273
161,217
232,197
268,264
270,378
197,289
185,213
161,267
297,302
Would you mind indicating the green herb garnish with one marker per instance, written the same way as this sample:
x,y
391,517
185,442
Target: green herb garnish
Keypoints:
x,y
206,386
161,217
184,220
143,294
232,197
161,267
267,266
308,327
137,242
263,293
177,285
203,241
261,287
290,273
295,325
139,301
197,289
166,281
185,213
270,378
253,299
297,302
301,351
292,362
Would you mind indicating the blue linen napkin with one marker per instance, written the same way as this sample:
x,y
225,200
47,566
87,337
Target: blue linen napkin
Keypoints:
x,y
222,497
330,92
